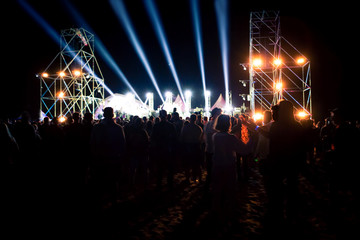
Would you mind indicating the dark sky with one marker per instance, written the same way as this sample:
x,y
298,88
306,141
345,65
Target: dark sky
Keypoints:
x,y
326,34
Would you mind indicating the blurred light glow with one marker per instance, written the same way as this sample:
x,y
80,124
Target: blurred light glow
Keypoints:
x,y
300,60
168,94
62,119
257,62
45,75
278,86
277,62
77,73
188,93
258,116
302,114
61,94
62,74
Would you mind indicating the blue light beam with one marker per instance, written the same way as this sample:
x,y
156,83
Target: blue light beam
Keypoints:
x,y
159,29
221,7
199,45
55,37
121,13
102,49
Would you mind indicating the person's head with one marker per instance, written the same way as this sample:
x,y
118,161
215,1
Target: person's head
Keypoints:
x,y
108,113
76,117
223,123
275,112
88,117
175,116
192,118
46,120
215,113
25,117
286,111
163,114
138,123
267,116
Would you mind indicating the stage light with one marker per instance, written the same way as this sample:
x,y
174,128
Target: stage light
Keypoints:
x,y
302,114
62,74
277,62
149,95
188,93
258,116
207,93
62,119
77,73
278,86
168,94
45,75
61,95
300,60
257,62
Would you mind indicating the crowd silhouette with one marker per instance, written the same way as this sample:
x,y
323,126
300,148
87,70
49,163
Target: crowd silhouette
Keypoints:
x,y
111,157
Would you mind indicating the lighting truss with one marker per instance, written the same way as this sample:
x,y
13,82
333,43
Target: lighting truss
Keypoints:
x,y
271,81
73,81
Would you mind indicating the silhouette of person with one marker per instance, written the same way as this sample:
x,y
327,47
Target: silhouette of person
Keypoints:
x,y
108,149
191,138
163,142
287,154
223,181
209,131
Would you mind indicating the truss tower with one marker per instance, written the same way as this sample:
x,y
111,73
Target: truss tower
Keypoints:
x,y
277,70
73,81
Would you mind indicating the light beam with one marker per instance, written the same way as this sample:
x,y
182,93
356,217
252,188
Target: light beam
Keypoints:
x,y
221,7
120,11
159,29
197,30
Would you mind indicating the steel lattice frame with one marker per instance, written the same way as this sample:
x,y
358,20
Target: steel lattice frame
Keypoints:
x,y
267,44
80,89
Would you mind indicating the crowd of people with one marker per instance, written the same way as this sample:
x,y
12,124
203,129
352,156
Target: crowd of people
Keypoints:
x,y
116,155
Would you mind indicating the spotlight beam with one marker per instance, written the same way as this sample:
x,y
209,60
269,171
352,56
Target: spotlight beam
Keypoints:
x,y
102,49
121,13
55,37
159,29
199,44
221,7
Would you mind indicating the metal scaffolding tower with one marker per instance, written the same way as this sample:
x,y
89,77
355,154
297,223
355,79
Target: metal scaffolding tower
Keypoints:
x,y
277,70
73,81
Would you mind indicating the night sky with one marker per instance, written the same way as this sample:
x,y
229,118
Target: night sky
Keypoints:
x,y
326,34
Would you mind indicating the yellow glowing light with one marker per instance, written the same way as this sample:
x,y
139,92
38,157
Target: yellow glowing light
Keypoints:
x,y
61,95
77,73
258,116
300,60
278,86
257,62
45,75
302,114
62,74
62,119
277,62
